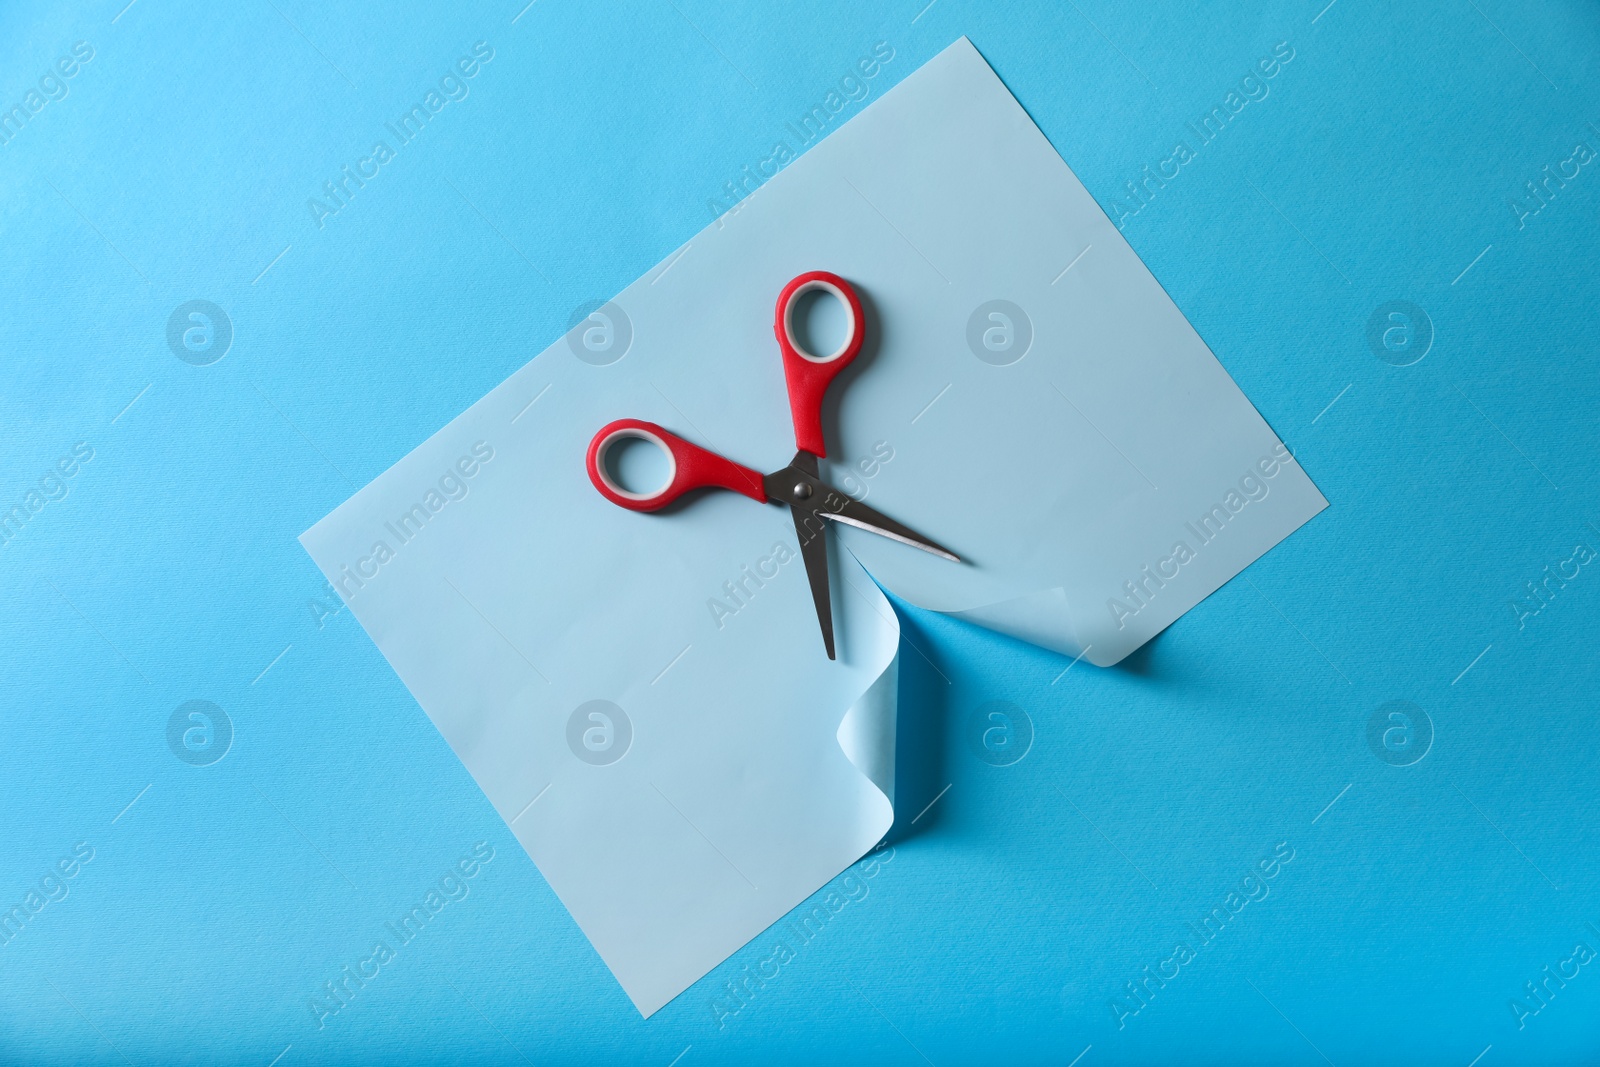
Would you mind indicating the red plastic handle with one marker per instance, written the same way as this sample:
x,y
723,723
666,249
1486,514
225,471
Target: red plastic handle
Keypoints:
x,y
691,467
809,375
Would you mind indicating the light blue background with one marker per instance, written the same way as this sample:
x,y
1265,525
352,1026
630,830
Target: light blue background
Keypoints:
x,y
1014,909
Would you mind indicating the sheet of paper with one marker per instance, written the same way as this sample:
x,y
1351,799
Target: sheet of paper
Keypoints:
x,y
644,698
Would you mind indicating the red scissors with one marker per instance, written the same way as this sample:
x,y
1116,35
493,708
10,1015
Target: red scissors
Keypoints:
x,y
810,499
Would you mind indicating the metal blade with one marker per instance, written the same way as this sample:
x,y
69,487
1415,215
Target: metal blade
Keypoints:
x,y
799,486
859,515
814,550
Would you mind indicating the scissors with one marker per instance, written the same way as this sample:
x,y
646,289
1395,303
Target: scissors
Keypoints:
x,y
810,499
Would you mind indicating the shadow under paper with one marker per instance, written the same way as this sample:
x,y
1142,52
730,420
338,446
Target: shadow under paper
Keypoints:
x,y
921,731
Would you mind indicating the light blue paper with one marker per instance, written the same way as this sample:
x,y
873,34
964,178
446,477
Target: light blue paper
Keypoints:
x,y
511,608
1067,471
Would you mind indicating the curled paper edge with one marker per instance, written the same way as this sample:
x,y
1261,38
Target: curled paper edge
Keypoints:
x,y
867,731
866,735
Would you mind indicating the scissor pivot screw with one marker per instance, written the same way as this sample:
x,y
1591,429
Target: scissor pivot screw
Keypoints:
x,y
802,490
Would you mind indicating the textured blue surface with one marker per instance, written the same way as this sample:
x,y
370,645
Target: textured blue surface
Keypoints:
x,y
1381,165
